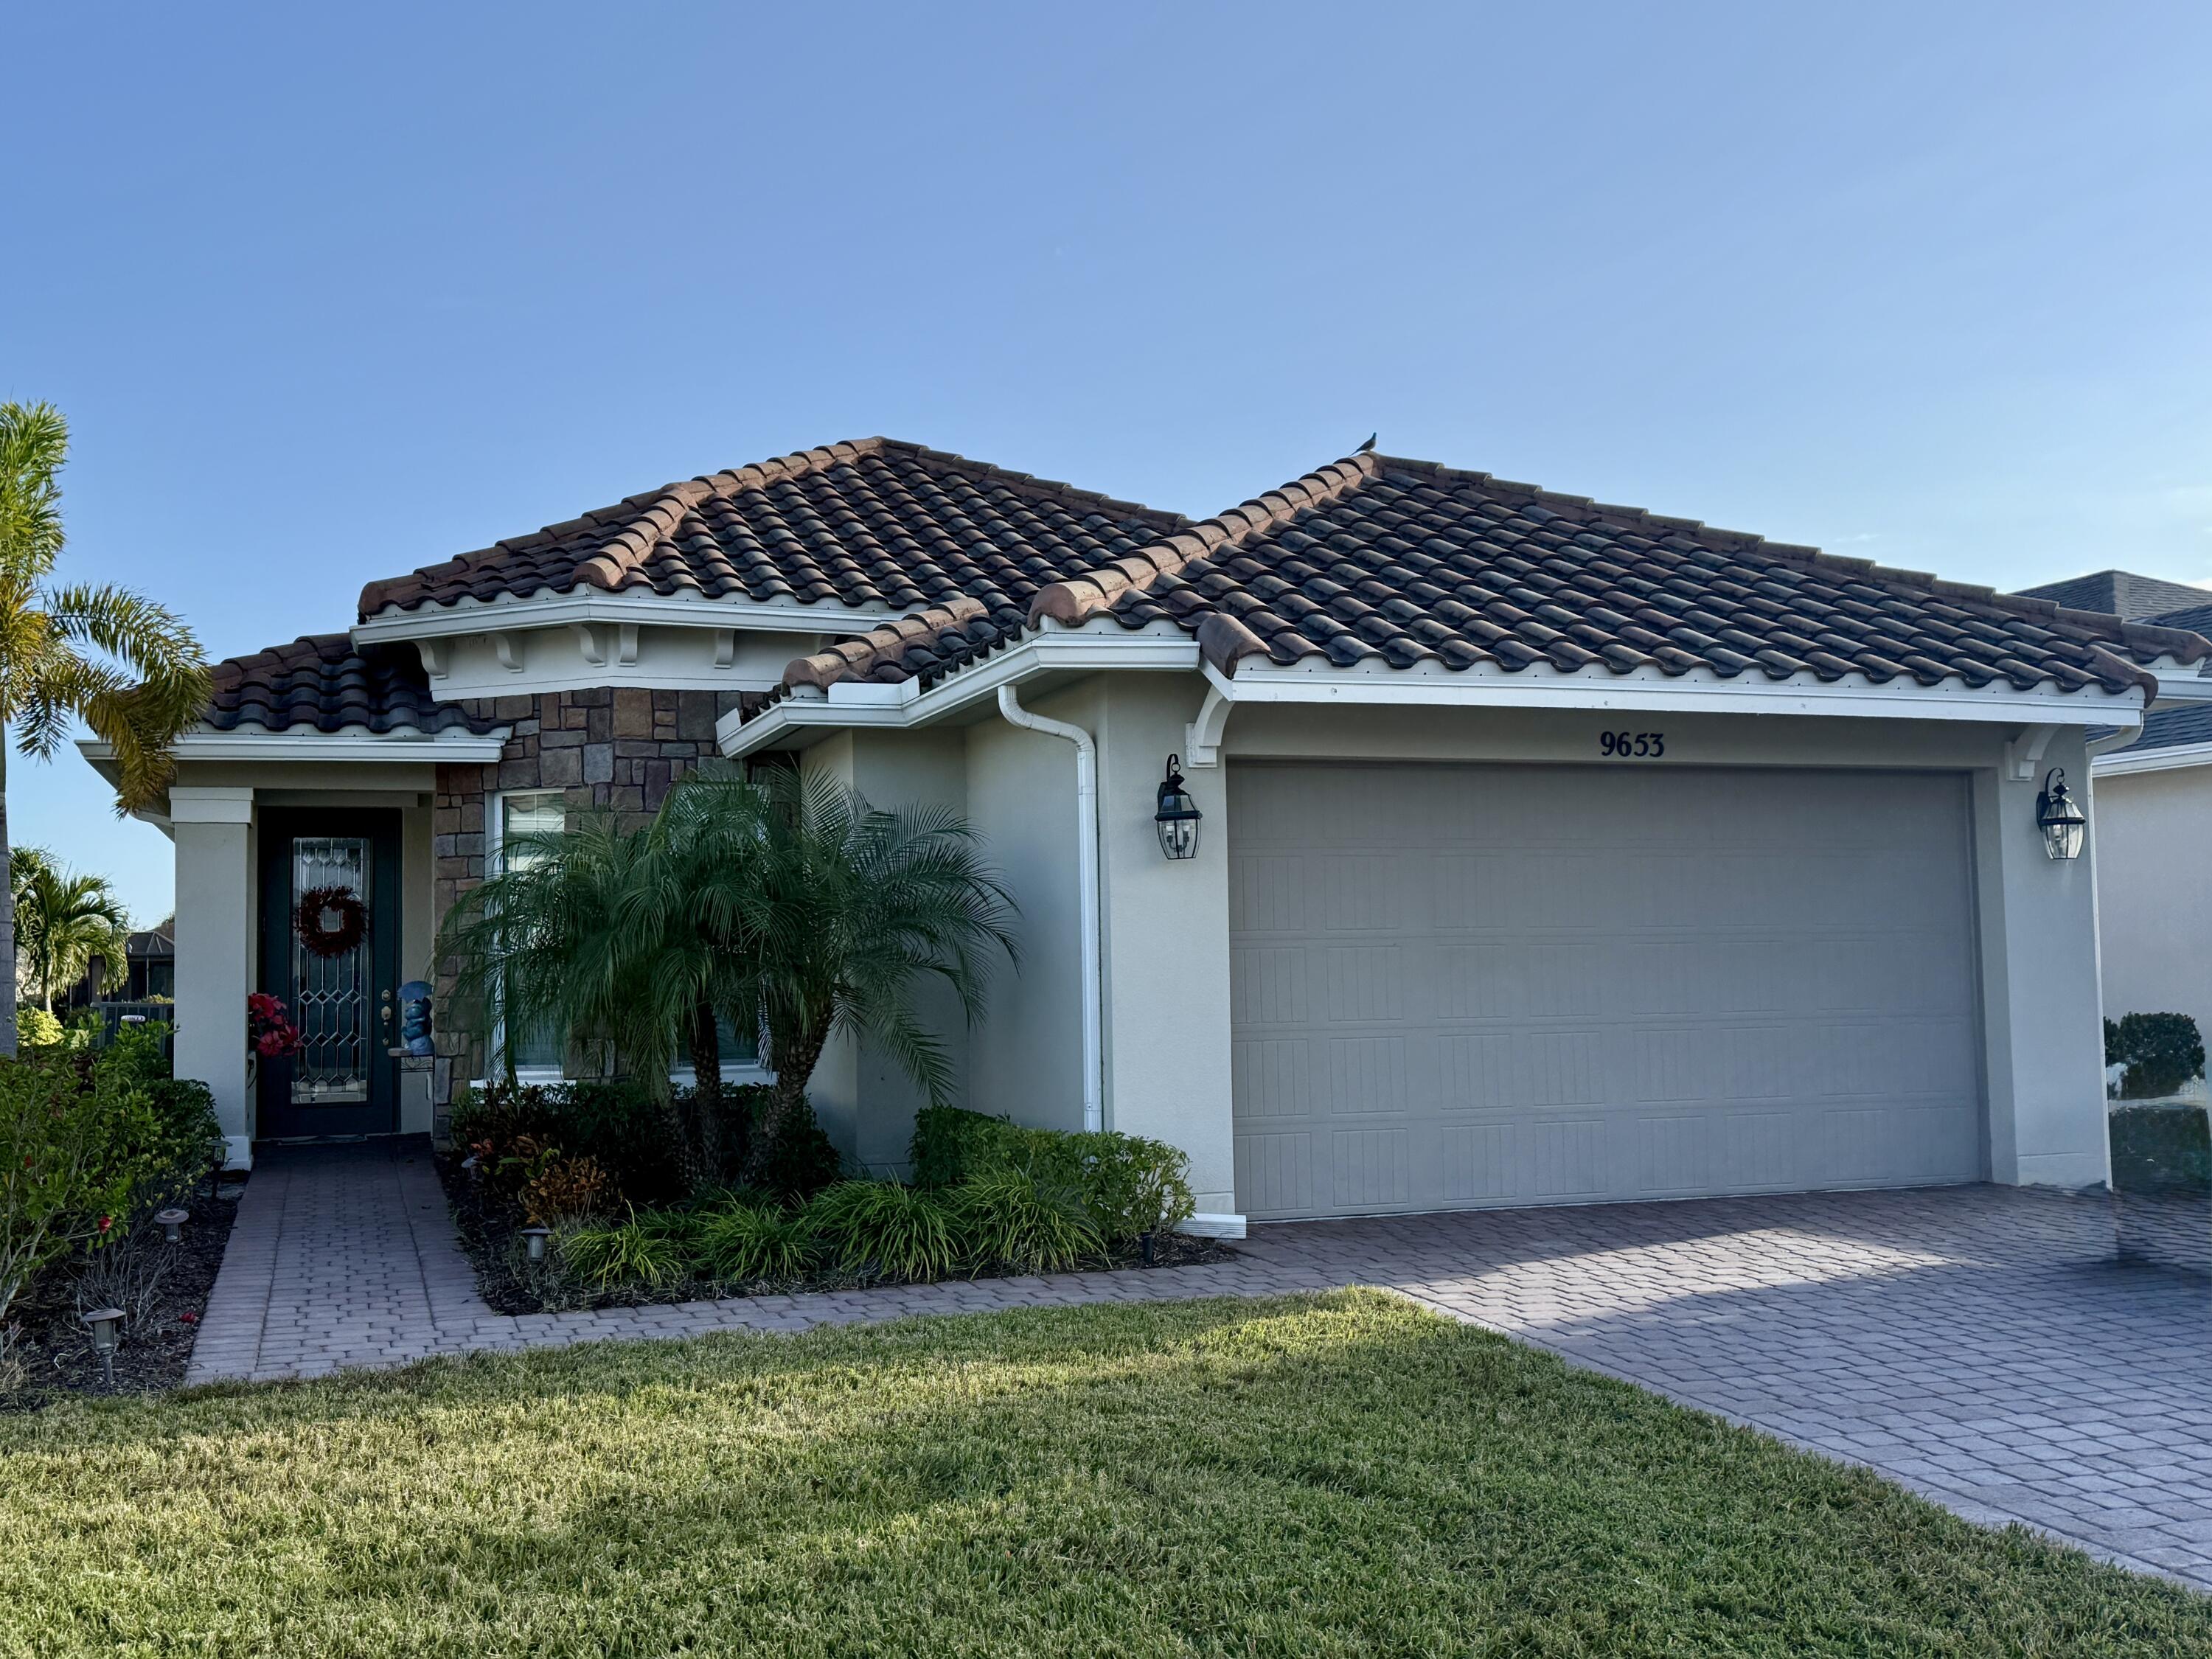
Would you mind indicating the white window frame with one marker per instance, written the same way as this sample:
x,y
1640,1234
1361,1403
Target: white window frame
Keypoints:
x,y
734,1072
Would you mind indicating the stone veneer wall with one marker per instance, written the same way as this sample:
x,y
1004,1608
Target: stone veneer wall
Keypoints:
x,y
620,747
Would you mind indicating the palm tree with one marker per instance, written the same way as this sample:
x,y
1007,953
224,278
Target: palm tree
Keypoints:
x,y
590,932
125,666
793,909
62,921
840,915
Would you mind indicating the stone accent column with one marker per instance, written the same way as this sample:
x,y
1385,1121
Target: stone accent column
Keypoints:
x,y
215,912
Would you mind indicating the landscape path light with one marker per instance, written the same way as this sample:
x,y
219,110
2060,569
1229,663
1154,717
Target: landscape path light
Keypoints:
x,y
173,1224
106,1327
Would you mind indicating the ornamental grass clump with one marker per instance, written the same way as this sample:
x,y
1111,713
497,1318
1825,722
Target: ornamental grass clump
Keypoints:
x,y
749,1243
885,1230
654,1249
1009,1219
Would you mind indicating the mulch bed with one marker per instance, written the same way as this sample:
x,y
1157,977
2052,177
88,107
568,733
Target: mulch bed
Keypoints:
x,y
487,1226
54,1348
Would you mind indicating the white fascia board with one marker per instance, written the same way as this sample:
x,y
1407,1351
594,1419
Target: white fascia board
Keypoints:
x,y
2170,758
546,610
1700,691
869,704
247,744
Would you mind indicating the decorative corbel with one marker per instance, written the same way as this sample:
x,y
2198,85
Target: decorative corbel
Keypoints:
x,y
726,647
435,662
2024,754
626,644
507,649
589,642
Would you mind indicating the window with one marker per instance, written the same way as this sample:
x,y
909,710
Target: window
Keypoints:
x,y
509,819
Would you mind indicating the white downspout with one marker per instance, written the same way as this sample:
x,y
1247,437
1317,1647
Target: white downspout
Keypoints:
x,y
1086,865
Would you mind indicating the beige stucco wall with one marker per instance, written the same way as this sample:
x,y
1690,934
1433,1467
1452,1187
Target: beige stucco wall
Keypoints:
x,y
2152,847
1165,924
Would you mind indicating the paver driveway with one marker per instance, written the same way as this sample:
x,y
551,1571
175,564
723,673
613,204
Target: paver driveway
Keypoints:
x,y
1991,1347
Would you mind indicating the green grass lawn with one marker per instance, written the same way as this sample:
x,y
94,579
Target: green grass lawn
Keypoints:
x,y
1339,1474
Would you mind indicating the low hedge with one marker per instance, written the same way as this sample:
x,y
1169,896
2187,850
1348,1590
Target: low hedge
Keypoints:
x,y
1126,1185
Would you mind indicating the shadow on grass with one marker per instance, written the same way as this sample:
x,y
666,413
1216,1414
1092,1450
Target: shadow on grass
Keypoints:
x,y
1341,1473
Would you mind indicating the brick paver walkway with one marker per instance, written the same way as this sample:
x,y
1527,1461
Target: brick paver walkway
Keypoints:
x,y
1993,1348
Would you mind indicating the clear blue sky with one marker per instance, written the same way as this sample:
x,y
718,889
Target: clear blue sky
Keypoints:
x,y
329,292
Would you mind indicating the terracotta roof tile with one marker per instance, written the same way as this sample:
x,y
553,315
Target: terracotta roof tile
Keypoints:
x,y
1374,558
875,523
321,683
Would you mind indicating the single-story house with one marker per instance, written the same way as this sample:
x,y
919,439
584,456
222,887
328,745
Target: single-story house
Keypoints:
x,y
2153,812
1549,851
149,970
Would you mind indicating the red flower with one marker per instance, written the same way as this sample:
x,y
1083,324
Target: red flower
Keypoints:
x,y
188,1319
106,1222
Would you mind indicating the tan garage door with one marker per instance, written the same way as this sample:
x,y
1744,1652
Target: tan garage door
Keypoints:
x,y
1458,986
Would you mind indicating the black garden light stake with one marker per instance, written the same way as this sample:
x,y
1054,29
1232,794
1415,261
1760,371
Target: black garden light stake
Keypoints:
x,y
533,1241
1178,817
172,1223
106,1327
2059,816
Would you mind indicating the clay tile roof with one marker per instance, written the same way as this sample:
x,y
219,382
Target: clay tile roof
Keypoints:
x,y
1378,559
322,682
872,523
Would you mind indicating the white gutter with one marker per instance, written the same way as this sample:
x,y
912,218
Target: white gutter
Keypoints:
x,y
1086,867
2127,760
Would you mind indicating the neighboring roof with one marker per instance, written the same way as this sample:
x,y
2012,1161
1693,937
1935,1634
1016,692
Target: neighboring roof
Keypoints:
x,y
876,522
322,682
151,944
2169,728
2122,594
1375,559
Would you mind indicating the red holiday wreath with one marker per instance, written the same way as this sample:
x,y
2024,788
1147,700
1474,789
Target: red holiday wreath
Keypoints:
x,y
320,939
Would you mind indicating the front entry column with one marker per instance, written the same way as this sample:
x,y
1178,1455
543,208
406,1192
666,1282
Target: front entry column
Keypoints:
x,y
2046,1048
212,829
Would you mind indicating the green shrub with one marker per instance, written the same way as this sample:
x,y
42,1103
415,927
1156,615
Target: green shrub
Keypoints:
x,y
37,1028
67,1172
1127,1185
1009,1219
181,1141
743,1242
2160,1051
655,1249
880,1227
616,1125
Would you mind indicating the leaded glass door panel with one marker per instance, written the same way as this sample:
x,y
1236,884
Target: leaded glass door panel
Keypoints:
x,y
335,968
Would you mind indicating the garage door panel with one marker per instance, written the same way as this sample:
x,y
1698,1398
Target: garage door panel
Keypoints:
x,y
1676,982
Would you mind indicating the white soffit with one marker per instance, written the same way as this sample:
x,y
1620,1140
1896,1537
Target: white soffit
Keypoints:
x,y
406,747
545,608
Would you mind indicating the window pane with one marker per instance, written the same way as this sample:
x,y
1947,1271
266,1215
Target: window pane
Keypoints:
x,y
732,1047
530,815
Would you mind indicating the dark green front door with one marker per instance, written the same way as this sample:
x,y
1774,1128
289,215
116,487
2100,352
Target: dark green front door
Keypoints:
x,y
343,1081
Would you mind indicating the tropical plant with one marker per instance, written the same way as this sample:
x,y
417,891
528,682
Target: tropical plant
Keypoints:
x,y
592,935
788,907
742,1244
1009,1219
883,1229
63,921
830,915
1127,1185
128,668
652,1248
71,1165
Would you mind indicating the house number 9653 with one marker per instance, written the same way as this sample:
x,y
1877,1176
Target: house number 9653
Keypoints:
x,y
1632,745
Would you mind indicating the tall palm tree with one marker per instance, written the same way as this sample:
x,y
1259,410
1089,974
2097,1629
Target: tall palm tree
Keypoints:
x,y
125,666
63,920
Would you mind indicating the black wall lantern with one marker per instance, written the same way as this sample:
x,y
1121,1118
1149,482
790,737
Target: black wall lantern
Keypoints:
x,y
1178,817
2060,818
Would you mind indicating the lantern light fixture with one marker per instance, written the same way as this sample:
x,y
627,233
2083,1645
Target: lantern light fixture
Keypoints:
x,y
2060,817
533,1241
1177,818
106,1325
172,1222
